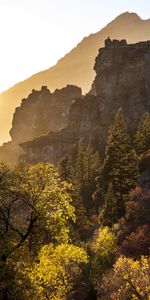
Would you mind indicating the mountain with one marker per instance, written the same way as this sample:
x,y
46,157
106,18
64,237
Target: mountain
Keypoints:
x,y
74,68
122,80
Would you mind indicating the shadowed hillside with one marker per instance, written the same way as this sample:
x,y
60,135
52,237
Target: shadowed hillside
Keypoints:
x,y
74,68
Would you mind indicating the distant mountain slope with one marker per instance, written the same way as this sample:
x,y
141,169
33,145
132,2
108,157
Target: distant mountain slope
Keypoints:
x,y
74,68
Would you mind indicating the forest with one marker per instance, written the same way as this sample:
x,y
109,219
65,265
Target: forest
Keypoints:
x,y
79,230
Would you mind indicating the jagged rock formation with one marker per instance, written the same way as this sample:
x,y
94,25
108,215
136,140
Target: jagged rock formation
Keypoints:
x,y
122,80
38,114
74,68
42,112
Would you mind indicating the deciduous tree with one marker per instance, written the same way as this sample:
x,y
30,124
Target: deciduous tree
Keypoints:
x,y
58,271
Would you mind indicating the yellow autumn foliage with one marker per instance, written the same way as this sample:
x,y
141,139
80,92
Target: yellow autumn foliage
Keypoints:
x,y
57,270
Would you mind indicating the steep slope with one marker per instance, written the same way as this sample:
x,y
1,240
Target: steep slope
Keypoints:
x,y
75,68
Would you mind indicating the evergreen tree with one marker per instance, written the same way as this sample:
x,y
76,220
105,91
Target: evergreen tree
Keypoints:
x,y
86,169
91,163
80,228
81,170
120,164
79,167
142,137
98,195
65,168
109,214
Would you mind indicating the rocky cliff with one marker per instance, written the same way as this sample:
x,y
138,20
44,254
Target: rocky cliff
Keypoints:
x,y
122,80
41,112
76,67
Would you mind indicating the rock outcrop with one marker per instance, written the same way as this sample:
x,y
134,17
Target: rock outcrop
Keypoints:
x,y
38,114
122,80
42,112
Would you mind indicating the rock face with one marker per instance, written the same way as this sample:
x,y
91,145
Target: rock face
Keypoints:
x,y
48,148
83,118
40,113
122,80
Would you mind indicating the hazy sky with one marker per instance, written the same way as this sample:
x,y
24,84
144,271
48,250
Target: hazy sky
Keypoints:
x,y
34,34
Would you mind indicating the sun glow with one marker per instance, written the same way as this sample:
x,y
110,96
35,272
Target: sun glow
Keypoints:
x,y
36,33
22,40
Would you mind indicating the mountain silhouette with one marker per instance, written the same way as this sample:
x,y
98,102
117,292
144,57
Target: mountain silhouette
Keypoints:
x,y
76,67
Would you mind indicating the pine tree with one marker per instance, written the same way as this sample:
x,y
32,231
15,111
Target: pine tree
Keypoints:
x,y
81,228
65,168
109,213
86,169
142,136
66,171
79,167
91,164
98,195
81,170
120,164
